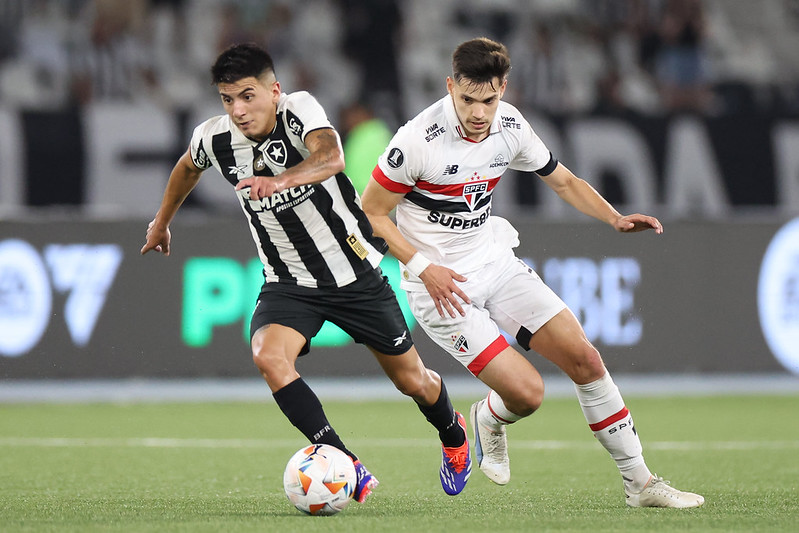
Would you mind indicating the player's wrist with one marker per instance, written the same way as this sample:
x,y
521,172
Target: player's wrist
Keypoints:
x,y
417,264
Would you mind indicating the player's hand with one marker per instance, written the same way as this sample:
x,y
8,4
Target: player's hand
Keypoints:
x,y
440,283
261,186
158,239
638,222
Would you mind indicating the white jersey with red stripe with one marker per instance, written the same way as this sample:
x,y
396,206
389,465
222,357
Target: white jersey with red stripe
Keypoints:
x,y
448,181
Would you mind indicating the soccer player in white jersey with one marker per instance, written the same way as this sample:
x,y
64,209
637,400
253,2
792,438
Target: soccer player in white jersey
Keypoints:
x,y
464,282
320,258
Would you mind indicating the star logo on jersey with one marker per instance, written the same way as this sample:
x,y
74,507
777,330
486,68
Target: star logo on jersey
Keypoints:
x,y
459,342
259,163
474,192
276,152
241,169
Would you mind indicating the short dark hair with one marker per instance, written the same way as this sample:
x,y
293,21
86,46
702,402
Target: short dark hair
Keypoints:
x,y
241,61
480,61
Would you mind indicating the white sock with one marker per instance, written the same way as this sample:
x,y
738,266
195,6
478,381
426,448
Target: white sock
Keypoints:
x,y
494,414
612,425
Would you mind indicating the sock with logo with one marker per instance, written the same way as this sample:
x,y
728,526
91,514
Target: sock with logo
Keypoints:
x,y
304,410
442,416
612,425
493,413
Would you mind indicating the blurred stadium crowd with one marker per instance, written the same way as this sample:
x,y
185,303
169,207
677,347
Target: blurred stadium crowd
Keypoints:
x,y
681,88
570,56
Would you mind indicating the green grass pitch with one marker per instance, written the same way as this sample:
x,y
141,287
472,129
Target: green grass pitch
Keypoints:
x,y
218,467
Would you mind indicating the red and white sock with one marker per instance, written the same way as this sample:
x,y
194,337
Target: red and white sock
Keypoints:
x,y
612,425
494,414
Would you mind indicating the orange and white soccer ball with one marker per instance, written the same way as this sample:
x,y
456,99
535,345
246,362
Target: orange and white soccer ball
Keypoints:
x,y
320,480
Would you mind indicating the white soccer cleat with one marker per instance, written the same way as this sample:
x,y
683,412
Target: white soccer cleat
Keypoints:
x,y
490,449
658,493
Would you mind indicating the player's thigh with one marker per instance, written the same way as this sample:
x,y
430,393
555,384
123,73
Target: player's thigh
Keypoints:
x,y
522,303
290,306
563,341
275,350
471,339
515,379
368,312
409,375
279,341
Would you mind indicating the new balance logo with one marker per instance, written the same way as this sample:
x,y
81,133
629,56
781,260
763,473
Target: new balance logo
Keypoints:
x,y
449,170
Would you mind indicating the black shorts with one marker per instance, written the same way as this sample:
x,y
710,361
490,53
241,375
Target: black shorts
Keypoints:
x,y
367,310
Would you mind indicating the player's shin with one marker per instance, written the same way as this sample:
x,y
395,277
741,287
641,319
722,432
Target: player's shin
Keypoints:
x,y
494,414
304,410
443,417
612,424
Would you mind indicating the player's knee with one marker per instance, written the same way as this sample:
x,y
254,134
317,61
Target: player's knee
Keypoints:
x,y
587,366
262,360
267,360
533,399
528,396
411,384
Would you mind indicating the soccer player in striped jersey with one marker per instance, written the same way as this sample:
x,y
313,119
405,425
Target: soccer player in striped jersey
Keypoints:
x,y
464,282
284,160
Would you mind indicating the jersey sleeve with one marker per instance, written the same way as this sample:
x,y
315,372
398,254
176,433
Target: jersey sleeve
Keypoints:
x,y
199,154
533,155
305,114
398,168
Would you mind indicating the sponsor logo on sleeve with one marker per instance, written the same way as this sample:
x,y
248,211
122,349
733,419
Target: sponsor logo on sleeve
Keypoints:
x,y
295,124
201,158
395,158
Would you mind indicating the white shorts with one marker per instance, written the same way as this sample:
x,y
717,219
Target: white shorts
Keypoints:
x,y
505,294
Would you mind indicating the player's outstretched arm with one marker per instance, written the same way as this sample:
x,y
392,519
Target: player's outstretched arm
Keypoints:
x,y
182,180
377,203
579,194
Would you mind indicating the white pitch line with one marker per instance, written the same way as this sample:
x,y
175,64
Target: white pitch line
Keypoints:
x,y
160,442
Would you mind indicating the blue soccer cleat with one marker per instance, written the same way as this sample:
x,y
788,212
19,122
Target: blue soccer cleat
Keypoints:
x,y
366,482
456,464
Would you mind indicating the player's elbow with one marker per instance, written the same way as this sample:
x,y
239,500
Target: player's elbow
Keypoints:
x,y
375,202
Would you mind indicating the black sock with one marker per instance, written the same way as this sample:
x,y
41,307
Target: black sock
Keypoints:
x,y
443,417
304,410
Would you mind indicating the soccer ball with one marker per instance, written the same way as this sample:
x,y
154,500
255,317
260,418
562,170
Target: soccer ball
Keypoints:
x,y
320,480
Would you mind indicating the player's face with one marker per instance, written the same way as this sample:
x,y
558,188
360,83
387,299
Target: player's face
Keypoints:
x,y
252,104
476,105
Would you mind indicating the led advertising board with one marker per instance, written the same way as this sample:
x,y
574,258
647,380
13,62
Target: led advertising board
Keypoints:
x,y
77,300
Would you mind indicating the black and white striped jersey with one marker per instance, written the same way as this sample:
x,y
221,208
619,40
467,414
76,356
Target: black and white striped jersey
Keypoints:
x,y
311,235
